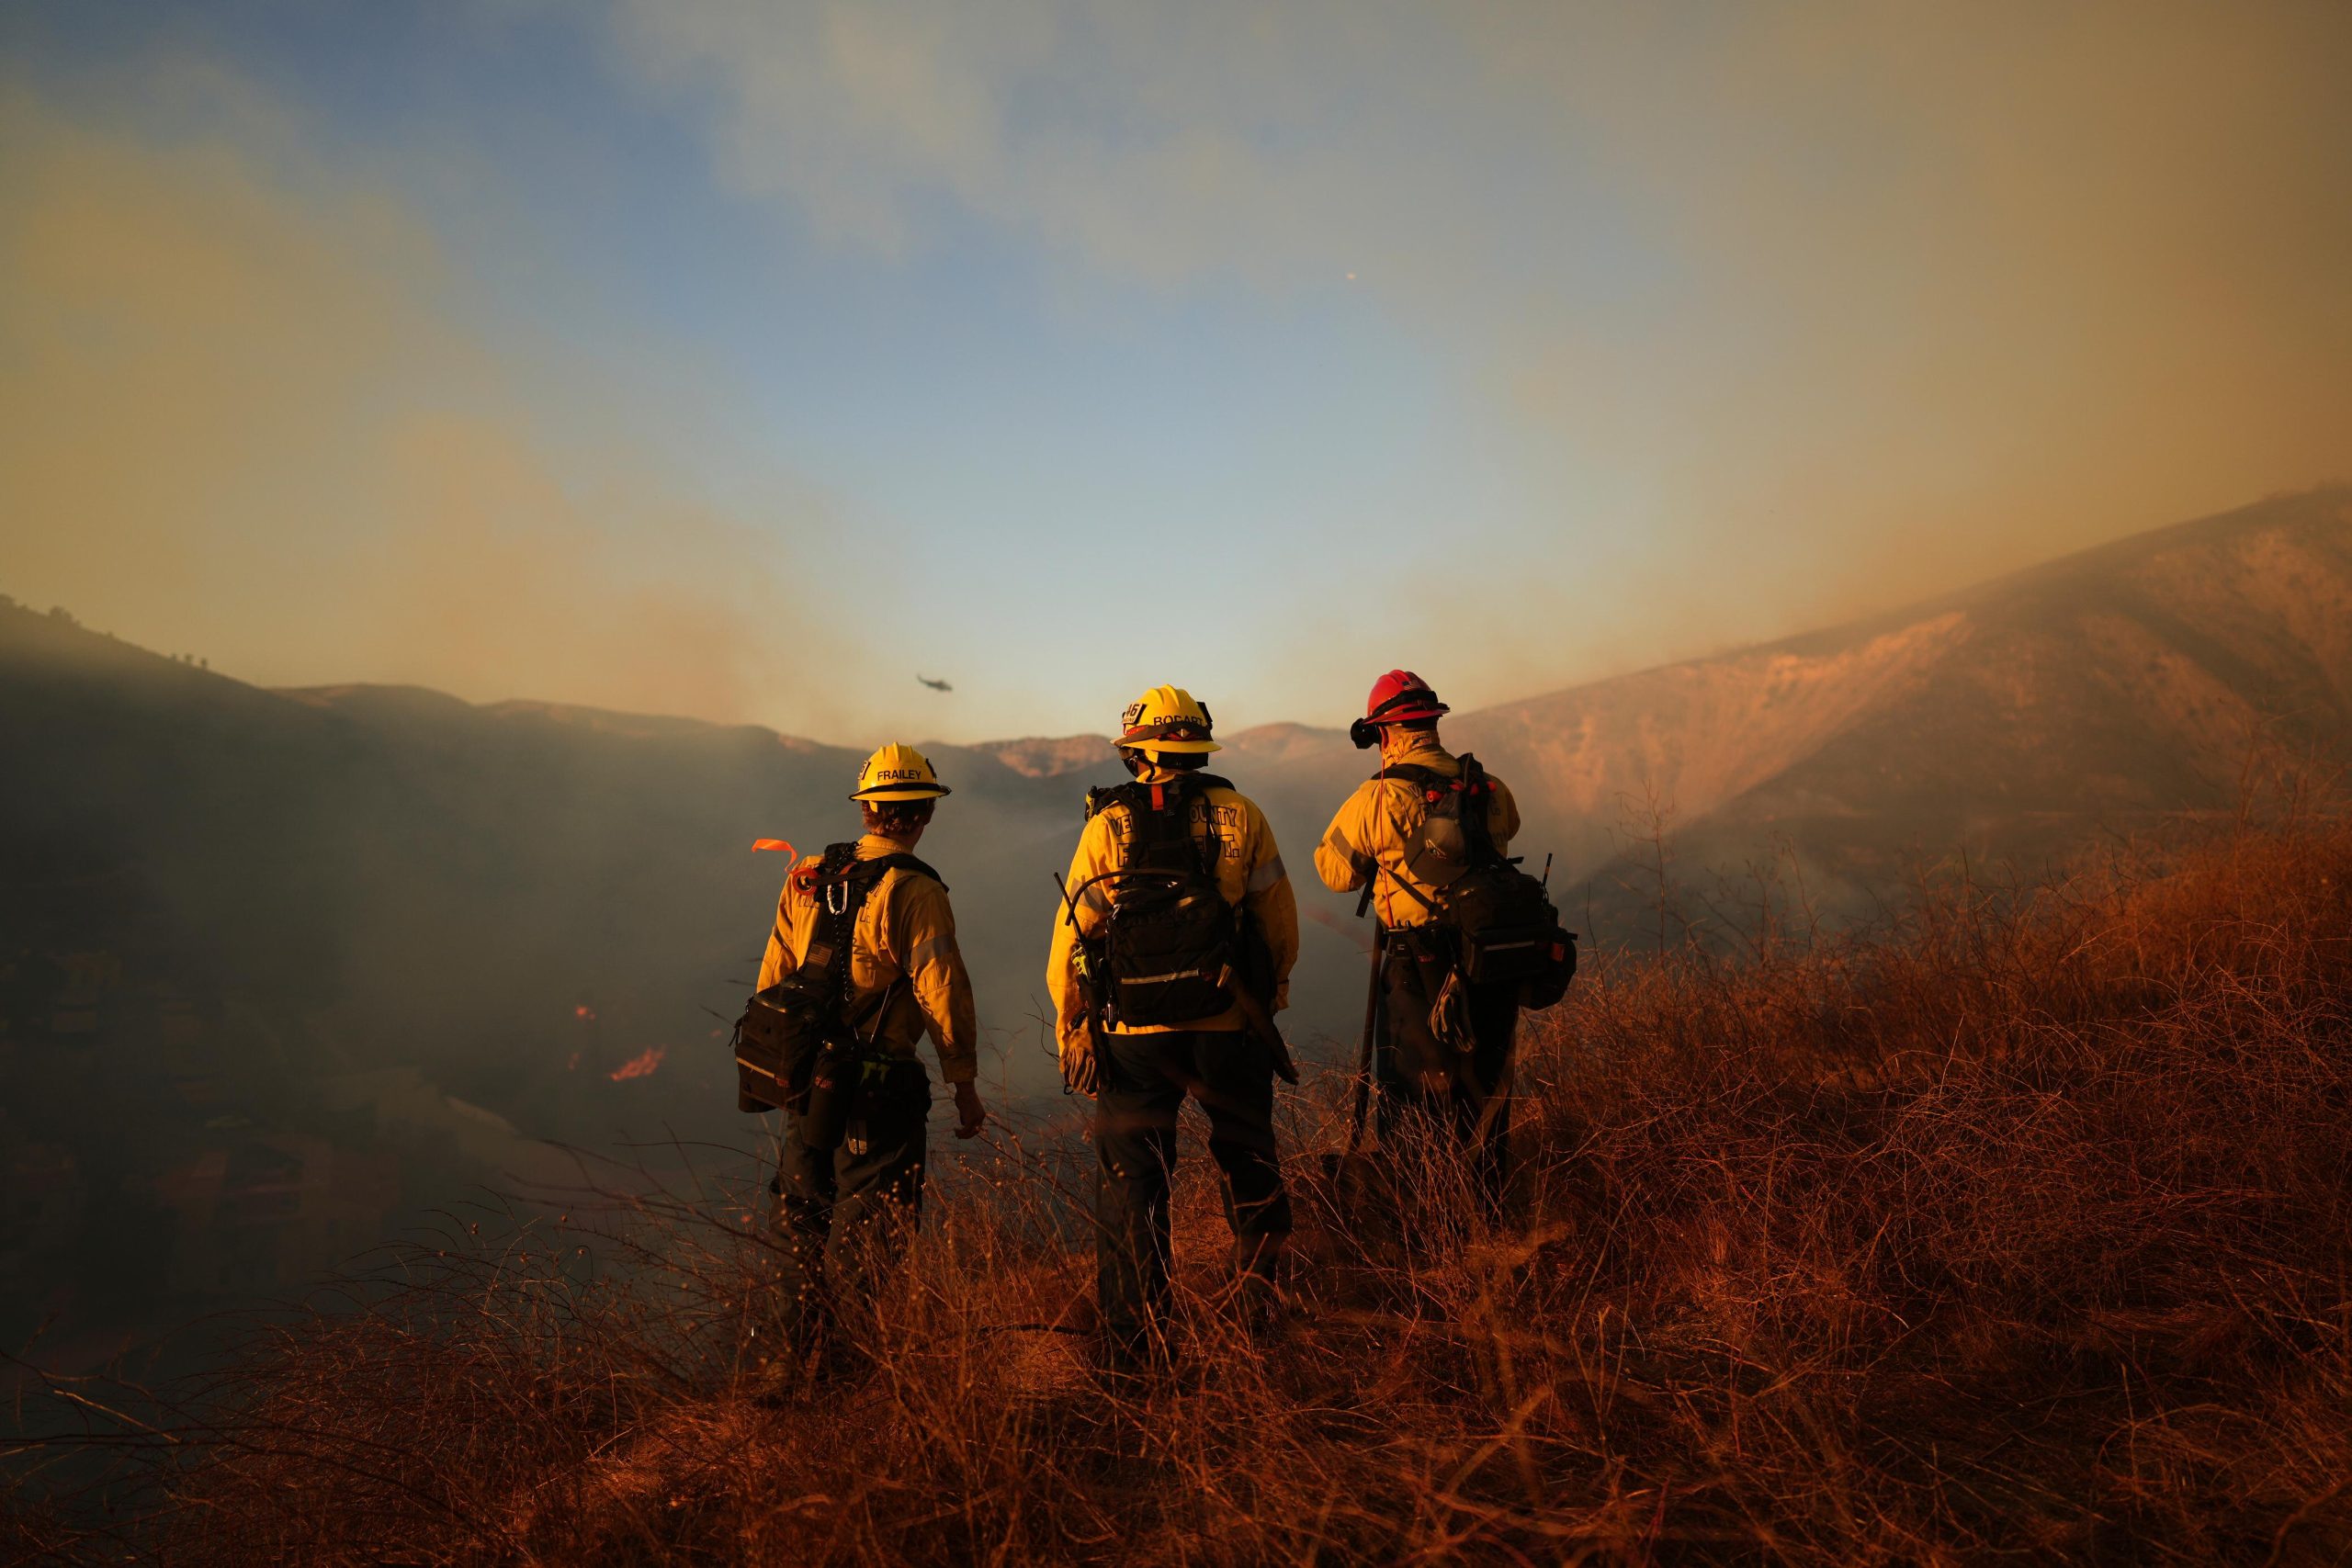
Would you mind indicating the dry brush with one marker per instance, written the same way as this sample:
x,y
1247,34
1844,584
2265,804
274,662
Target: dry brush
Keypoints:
x,y
2019,1229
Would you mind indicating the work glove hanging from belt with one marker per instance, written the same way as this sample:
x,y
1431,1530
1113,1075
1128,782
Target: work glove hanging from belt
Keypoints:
x,y
1081,1066
1450,1015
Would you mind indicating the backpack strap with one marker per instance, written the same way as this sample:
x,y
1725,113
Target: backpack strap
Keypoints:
x,y
838,894
840,883
1416,774
1477,796
872,870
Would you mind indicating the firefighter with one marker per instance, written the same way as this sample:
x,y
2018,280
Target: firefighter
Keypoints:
x,y
1172,951
850,1191
1444,1047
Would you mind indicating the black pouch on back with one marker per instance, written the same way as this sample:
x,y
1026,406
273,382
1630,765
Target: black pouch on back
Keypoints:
x,y
776,1043
1511,933
1167,947
1169,937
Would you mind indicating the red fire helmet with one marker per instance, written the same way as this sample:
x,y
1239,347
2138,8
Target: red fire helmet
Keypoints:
x,y
1395,697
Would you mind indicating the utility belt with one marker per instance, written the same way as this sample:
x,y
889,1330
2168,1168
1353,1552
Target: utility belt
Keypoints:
x,y
1533,962
1428,952
1496,928
851,1082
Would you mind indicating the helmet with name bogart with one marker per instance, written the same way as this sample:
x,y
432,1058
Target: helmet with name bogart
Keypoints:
x,y
1396,698
898,772
1166,718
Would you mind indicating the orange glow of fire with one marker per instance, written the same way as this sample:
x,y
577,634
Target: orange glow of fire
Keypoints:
x,y
584,1011
643,1064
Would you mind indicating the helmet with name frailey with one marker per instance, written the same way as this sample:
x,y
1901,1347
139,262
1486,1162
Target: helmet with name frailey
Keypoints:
x,y
898,772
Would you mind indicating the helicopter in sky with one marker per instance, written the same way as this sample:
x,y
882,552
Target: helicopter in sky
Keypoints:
x,y
934,685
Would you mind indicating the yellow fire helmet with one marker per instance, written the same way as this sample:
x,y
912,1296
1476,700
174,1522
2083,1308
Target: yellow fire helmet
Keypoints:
x,y
1166,718
898,772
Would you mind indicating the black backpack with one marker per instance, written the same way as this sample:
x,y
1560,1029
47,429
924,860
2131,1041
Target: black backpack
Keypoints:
x,y
1506,929
785,1028
1162,955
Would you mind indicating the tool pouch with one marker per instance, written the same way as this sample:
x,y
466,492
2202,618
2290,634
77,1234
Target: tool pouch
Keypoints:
x,y
776,1043
833,1084
842,1076
892,1100
785,1028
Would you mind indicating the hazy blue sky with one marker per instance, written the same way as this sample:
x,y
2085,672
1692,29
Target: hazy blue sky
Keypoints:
x,y
745,359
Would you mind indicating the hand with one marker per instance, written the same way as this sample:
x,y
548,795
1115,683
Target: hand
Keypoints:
x,y
970,1115
1081,1071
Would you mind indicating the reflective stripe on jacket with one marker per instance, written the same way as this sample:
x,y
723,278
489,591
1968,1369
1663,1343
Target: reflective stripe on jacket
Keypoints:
x,y
904,931
1249,872
1381,823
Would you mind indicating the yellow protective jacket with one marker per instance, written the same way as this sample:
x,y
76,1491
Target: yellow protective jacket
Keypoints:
x,y
1381,823
1249,871
904,932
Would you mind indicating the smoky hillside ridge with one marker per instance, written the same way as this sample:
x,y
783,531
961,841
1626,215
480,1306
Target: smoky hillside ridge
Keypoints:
x,y
2011,720
402,925
281,970
2015,719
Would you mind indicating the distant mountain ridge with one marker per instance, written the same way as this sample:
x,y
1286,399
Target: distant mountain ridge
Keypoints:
x,y
2013,719
230,905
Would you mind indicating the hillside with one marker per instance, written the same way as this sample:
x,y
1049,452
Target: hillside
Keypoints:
x,y
2013,721
421,933
2017,1232
280,969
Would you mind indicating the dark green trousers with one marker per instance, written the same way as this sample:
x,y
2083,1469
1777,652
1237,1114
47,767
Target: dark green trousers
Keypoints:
x,y
1475,1111
843,1215
1144,1082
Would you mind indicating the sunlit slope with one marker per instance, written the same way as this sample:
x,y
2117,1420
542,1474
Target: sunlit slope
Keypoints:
x,y
2013,720
2096,695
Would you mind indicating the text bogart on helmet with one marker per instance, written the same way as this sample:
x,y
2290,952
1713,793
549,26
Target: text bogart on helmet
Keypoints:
x,y
898,772
1166,718
1396,698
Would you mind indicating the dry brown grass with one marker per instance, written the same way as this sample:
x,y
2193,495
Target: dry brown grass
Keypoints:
x,y
2019,1231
